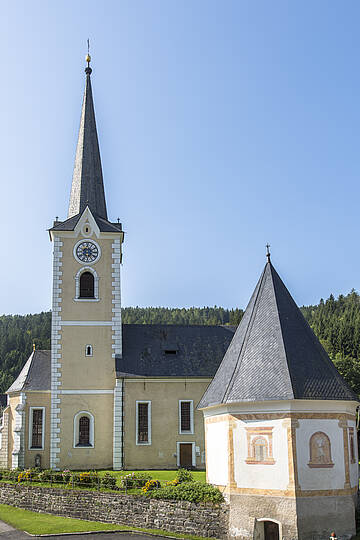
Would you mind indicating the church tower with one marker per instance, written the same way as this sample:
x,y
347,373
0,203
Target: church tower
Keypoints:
x,y
86,312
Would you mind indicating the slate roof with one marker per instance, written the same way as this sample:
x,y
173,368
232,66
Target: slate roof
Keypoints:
x,y
274,354
70,224
35,375
198,350
87,183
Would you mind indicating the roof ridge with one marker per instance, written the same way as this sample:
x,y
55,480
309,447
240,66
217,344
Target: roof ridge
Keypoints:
x,y
246,337
272,269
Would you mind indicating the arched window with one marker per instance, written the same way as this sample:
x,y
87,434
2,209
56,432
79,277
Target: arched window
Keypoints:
x,y
320,451
87,285
88,350
260,449
84,431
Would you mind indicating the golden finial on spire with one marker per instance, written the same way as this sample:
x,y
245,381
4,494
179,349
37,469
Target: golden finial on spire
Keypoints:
x,y
88,59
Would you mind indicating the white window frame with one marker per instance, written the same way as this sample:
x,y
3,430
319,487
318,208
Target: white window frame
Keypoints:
x,y
31,409
138,443
191,431
193,455
76,429
96,285
91,350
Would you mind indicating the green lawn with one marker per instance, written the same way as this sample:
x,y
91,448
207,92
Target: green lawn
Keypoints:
x,y
36,523
163,476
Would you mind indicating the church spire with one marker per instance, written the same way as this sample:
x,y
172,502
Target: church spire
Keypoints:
x,y
87,184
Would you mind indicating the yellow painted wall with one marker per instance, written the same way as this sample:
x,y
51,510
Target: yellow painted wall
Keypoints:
x,y
94,311
164,397
37,399
101,407
92,372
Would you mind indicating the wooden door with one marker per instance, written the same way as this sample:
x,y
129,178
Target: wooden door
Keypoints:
x,y
271,530
186,455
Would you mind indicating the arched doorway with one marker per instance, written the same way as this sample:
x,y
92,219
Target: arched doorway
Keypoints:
x,y
271,530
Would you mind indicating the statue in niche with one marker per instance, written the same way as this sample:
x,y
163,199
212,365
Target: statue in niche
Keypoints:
x,y
320,451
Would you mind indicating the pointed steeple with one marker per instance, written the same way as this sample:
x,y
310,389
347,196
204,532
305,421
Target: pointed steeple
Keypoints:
x,y
87,184
274,354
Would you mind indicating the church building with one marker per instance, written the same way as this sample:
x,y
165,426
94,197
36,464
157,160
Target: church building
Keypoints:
x,y
280,422
107,395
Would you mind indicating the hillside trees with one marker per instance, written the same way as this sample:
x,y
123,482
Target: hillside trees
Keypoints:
x,y
336,322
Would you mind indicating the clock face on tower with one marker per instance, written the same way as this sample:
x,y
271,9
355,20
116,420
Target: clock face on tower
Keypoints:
x,y
87,251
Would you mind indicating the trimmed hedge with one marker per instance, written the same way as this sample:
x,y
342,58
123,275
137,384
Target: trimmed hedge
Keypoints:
x,y
188,491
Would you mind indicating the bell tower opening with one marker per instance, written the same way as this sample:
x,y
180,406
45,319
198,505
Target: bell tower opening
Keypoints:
x,y
87,285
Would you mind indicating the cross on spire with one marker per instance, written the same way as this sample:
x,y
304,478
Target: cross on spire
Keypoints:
x,y
268,252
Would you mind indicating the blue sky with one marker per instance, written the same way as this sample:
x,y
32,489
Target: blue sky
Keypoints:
x,y
222,125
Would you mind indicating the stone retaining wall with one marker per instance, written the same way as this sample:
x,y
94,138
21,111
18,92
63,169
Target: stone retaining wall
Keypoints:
x,y
174,516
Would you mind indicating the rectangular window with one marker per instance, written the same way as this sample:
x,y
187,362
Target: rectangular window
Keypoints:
x,y
186,416
143,422
36,428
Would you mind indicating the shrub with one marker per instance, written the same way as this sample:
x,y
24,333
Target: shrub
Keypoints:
x,y
24,476
89,479
56,477
86,478
66,475
183,475
108,481
151,485
174,482
135,480
44,476
188,491
12,475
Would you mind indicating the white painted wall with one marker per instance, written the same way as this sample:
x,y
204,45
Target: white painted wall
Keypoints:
x,y
217,453
322,478
274,476
354,467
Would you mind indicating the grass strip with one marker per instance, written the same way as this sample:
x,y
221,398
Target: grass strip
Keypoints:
x,y
35,523
162,475
40,523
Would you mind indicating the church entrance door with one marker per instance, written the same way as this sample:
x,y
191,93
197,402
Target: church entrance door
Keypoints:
x,y
186,455
271,530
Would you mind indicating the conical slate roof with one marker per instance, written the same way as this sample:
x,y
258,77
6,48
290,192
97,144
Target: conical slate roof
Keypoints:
x,y
274,354
35,375
87,184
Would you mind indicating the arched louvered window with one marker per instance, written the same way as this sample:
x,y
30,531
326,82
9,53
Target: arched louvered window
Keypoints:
x,y
260,448
87,285
84,431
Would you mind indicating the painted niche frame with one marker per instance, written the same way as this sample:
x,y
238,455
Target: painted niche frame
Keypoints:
x,y
320,451
260,445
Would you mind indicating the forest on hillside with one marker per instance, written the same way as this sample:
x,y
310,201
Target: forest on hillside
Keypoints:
x,y
336,322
